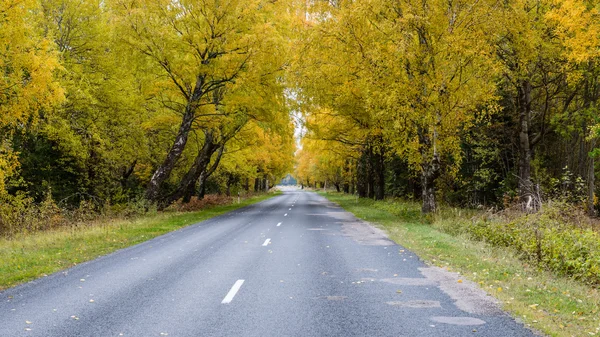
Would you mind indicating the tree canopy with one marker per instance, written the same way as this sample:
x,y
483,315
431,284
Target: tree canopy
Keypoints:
x,y
461,102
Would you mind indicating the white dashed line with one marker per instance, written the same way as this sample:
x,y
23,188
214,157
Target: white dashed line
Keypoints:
x,y
290,209
285,214
279,224
266,242
236,287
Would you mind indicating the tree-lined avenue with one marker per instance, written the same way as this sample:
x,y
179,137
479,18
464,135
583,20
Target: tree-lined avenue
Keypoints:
x,y
317,272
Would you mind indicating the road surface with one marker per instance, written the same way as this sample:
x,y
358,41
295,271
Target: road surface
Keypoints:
x,y
293,265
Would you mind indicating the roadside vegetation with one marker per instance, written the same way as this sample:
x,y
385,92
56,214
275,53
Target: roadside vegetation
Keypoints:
x,y
550,298
470,131
29,255
108,107
484,113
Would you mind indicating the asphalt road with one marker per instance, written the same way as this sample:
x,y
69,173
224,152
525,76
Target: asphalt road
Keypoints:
x,y
293,265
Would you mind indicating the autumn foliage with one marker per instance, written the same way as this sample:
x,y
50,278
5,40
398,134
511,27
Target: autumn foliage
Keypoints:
x,y
469,103
109,102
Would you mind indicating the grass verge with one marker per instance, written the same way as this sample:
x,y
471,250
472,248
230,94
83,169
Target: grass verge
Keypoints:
x,y
557,306
27,257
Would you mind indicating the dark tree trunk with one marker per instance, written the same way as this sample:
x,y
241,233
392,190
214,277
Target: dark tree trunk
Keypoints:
x,y
428,176
187,185
127,173
379,175
525,156
346,175
591,188
202,191
362,176
207,173
430,170
164,170
247,186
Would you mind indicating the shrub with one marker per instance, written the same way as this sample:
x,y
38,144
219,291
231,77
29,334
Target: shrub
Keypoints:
x,y
559,238
196,204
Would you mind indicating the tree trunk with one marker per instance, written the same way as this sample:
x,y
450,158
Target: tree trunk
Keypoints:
x,y
524,106
430,169
363,178
429,174
202,190
164,170
591,188
207,173
379,176
127,173
187,185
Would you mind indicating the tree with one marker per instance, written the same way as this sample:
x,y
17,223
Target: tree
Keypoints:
x,y
27,87
415,72
200,49
89,144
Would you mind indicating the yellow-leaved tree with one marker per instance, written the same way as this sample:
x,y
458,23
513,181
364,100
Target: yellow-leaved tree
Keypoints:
x,y
27,63
199,52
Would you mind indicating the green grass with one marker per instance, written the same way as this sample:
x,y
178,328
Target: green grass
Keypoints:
x,y
27,257
557,306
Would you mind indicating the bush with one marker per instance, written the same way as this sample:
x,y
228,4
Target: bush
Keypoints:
x,y
559,238
21,215
196,204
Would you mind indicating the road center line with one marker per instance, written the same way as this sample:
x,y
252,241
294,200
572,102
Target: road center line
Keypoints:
x,y
279,224
290,209
236,286
266,242
285,214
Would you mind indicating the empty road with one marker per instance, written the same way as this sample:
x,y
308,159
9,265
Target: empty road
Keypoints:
x,y
293,265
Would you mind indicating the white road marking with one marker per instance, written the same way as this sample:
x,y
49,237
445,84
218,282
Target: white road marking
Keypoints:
x,y
290,209
285,214
279,224
266,242
236,287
